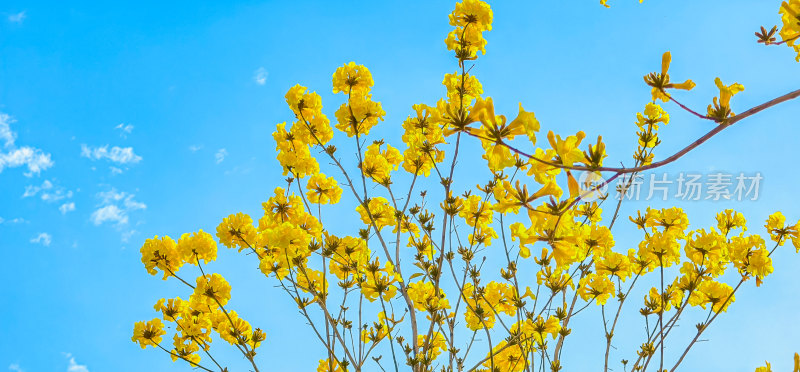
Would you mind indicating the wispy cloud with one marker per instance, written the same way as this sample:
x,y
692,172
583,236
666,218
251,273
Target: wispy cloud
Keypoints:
x,y
67,207
119,155
13,221
220,155
17,17
74,366
260,76
125,129
126,235
36,160
43,239
12,156
195,148
15,367
114,207
6,135
48,191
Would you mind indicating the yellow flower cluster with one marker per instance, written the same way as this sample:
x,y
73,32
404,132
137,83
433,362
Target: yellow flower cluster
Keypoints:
x,y
648,124
561,228
470,18
194,321
485,303
378,165
360,113
790,31
323,190
421,135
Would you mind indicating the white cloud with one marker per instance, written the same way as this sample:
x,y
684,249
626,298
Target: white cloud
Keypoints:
x,y
13,221
5,130
15,367
73,366
17,18
120,155
67,207
260,76
115,170
195,148
49,192
126,236
35,159
220,155
125,129
43,239
109,213
114,207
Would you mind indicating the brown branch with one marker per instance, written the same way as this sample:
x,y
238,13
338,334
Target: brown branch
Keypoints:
x,y
727,123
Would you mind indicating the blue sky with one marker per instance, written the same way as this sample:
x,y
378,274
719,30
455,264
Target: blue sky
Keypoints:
x,y
134,119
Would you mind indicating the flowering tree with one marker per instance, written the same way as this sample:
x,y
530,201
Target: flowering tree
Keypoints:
x,y
416,286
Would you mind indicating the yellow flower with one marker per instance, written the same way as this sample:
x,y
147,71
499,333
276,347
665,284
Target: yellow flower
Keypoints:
x,y
790,31
613,263
171,308
293,153
476,211
766,368
494,131
185,349
323,190
470,18
433,346
378,165
539,329
352,79
380,212
329,366
479,313
359,115
148,333
596,286
162,254
526,120
721,110
231,327
197,246
719,295
506,358
303,104
472,88
211,290
654,300
237,230
482,235
706,249
776,221
730,219
422,135
567,149
380,282
475,13
661,81
653,114
424,297
760,263
661,248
